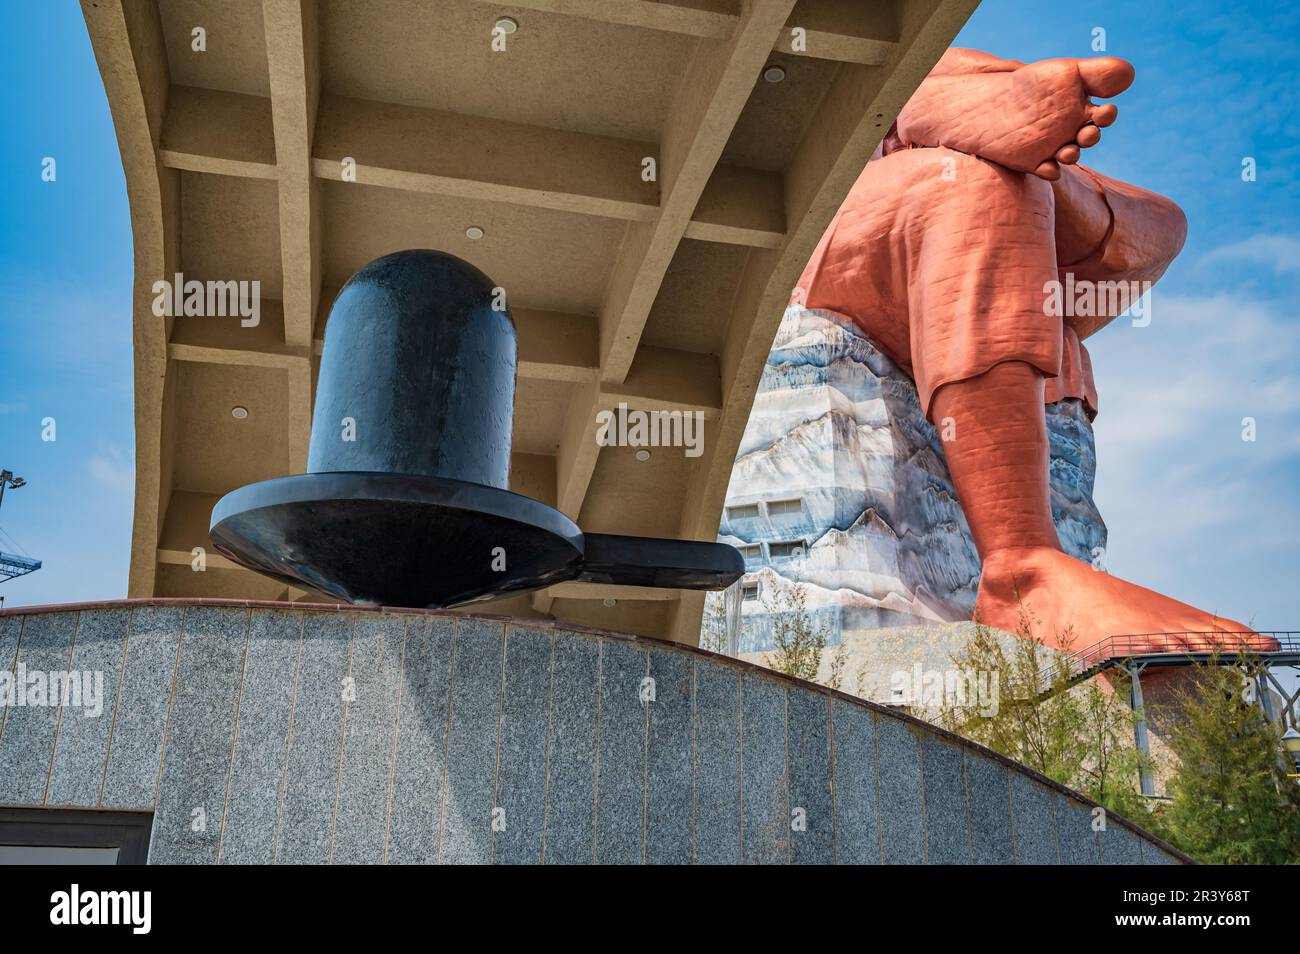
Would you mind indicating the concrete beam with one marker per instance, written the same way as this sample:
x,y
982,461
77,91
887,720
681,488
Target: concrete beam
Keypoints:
x,y
849,31
132,57
710,19
708,103
441,153
226,341
293,58
840,33
556,347
212,559
663,379
199,133
470,157
575,460
850,122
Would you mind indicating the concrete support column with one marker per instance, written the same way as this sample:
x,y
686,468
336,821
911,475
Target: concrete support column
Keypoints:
x,y
1140,739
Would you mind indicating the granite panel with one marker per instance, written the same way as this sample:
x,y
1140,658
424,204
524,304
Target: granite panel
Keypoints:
x,y
10,627
1152,855
902,823
946,834
1119,846
521,778
81,750
311,779
262,742
370,722
571,778
27,745
812,825
990,811
716,766
200,737
472,743
1076,839
857,826
415,820
668,754
1035,827
136,743
620,777
765,795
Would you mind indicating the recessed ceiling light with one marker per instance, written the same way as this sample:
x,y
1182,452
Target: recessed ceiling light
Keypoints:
x,y
609,601
507,25
238,412
774,73
643,454
474,232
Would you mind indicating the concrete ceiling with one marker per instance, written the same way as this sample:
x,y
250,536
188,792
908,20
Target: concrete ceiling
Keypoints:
x,y
663,294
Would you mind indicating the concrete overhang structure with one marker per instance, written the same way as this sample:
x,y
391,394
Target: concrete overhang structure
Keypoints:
x,y
291,142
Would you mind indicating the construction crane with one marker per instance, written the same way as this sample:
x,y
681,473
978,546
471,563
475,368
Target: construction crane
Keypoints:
x,y
11,564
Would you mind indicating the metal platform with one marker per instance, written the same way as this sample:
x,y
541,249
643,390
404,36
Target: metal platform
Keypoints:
x,y
1135,653
1139,650
12,566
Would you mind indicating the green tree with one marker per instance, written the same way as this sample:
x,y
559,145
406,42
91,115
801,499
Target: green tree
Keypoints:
x,y
798,638
1079,735
839,666
1232,802
713,626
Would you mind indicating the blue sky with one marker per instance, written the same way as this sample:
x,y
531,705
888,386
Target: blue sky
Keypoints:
x,y
65,313
1193,510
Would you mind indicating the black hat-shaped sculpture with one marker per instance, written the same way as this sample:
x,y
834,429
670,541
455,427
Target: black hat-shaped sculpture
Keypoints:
x,y
405,500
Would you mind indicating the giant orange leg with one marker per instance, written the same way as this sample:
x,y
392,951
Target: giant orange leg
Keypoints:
x,y
998,454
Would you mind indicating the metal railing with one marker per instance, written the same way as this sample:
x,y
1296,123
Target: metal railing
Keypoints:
x,y
1189,647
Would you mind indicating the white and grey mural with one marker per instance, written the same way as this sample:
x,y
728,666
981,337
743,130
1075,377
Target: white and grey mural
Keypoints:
x,y
841,484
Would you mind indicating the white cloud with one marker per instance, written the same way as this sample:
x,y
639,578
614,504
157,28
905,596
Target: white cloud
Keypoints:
x,y
1193,509
1281,253
1195,372
113,469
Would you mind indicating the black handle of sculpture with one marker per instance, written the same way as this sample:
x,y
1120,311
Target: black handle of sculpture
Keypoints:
x,y
647,561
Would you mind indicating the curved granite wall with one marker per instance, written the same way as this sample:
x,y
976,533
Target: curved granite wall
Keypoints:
x,y
265,733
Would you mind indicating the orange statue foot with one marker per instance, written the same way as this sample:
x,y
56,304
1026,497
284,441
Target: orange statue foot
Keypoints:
x,y
1030,118
1086,605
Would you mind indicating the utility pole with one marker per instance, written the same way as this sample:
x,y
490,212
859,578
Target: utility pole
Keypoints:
x,y
12,565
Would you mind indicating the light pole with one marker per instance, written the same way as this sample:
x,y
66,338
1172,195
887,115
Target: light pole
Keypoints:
x,y
7,479
12,565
